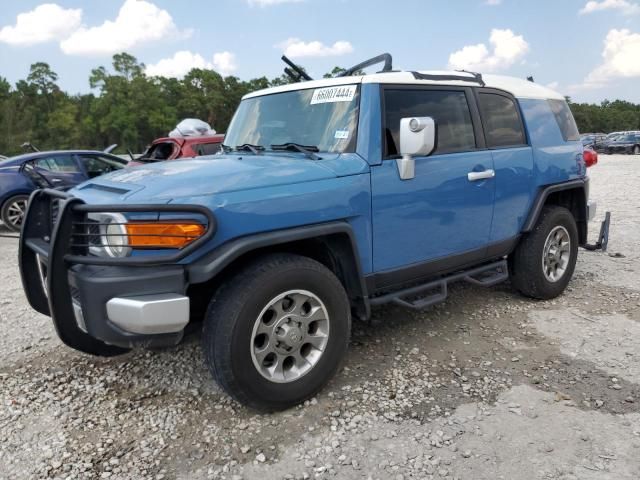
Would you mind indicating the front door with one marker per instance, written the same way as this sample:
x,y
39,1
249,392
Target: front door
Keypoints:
x,y
443,211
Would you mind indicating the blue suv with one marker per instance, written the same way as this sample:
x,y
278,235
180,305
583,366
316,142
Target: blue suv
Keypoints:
x,y
331,197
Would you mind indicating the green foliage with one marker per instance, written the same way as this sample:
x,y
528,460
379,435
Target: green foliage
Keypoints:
x,y
131,109
607,117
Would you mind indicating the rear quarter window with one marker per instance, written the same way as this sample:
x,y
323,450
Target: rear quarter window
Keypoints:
x,y
501,121
565,120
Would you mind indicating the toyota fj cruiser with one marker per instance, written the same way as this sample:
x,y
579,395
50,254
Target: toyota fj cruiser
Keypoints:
x,y
331,197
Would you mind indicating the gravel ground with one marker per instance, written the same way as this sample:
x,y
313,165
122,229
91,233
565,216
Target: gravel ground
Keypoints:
x,y
488,385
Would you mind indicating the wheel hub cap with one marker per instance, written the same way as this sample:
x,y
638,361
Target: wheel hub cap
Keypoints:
x,y
556,254
289,336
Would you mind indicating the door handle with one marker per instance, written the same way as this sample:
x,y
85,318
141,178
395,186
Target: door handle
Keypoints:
x,y
475,176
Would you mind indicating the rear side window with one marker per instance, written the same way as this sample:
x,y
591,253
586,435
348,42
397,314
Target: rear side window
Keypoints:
x,y
57,164
502,124
449,109
565,120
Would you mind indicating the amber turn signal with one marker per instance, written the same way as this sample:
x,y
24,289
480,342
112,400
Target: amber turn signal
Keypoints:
x,y
163,235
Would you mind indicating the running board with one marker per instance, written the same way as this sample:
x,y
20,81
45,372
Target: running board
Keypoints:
x,y
436,291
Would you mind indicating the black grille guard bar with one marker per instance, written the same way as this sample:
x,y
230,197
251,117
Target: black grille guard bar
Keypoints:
x,y
38,245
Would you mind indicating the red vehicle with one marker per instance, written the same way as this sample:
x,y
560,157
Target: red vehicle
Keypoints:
x,y
171,148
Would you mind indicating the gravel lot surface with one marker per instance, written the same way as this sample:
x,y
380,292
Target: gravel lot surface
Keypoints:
x,y
488,385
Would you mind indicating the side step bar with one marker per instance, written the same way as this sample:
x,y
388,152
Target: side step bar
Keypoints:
x,y
485,276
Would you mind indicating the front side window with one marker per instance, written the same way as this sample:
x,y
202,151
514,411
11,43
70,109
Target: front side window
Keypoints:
x,y
97,165
57,164
449,109
502,125
565,120
325,118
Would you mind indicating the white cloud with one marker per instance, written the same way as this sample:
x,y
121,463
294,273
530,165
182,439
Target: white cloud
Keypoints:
x,y
625,6
268,3
44,23
138,22
224,63
178,65
553,85
621,53
294,47
492,2
184,61
508,48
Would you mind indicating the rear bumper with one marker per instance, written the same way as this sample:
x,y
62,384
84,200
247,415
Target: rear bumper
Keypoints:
x,y
591,210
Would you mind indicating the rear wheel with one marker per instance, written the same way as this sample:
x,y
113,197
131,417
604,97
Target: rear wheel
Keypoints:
x,y
544,261
13,211
636,150
277,331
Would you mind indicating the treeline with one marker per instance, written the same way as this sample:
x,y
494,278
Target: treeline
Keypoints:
x,y
607,117
131,109
127,108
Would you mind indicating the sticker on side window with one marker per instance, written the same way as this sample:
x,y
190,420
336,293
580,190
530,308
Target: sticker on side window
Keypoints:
x,y
343,93
342,134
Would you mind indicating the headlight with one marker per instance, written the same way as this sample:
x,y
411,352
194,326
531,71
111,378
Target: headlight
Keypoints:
x,y
116,240
108,235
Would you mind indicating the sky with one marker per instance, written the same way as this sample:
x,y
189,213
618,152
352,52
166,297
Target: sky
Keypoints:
x,y
589,50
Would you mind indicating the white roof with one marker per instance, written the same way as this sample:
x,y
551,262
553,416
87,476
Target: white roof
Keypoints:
x,y
517,87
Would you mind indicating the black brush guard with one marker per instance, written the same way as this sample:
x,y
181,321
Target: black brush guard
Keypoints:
x,y
46,253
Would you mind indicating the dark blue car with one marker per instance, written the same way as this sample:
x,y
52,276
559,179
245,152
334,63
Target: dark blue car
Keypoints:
x,y
20,175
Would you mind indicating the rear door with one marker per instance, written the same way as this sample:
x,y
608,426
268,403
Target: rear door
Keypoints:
x,y
512,160
442,212
60,170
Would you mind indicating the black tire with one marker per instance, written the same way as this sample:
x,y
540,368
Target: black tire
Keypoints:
x,y
526,262
232,313
7,213
636,150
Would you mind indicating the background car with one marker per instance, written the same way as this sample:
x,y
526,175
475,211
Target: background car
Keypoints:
x,y
629,143
591,139
171,148
20,175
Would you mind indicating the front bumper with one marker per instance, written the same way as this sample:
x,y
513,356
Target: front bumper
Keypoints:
x,y
98,305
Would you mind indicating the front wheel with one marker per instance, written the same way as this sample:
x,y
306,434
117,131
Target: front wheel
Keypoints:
x,y
277,331
543,262
13,211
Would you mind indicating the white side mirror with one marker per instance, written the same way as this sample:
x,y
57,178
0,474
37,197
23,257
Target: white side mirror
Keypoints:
x,y
417,137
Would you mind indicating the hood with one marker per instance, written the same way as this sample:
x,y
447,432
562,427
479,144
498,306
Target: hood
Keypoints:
x,y
163,181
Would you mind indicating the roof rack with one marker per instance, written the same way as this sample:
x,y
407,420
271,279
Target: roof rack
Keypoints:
x,y
295,73
475,78
385,57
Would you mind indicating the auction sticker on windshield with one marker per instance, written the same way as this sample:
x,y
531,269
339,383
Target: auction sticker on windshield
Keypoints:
x,y
343,93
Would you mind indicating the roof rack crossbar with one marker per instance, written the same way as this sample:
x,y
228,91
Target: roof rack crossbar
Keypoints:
x,y
385,57
295,72
476,78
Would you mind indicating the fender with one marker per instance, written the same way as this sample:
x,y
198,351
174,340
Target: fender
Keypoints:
x,y
581,184
347,256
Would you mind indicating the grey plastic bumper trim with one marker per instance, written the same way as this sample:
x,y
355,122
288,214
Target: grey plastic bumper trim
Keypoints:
x,y
150,314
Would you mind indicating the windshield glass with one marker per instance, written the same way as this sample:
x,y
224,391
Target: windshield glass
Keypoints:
x,y
325,118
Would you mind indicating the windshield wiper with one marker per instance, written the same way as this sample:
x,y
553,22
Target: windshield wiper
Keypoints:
x,y
306,149
255,149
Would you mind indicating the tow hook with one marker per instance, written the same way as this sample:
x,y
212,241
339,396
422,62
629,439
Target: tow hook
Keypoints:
x,y
603,238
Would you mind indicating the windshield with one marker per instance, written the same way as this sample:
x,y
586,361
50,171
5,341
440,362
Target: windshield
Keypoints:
x,y
325,118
